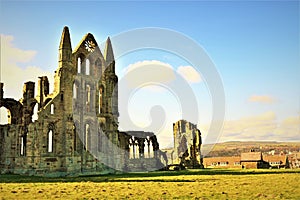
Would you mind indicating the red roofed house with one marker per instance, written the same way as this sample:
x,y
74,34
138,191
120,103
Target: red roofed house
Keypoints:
x,y
253,160
222,162
277,161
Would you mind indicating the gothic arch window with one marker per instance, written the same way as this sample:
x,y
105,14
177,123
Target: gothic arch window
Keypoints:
x,y
98,65
75,91
50,140
78,65
88,97
22,150
5,116
87,136
50,136
35,112
136,149
150,148
100,105
87,67
52,109
131,148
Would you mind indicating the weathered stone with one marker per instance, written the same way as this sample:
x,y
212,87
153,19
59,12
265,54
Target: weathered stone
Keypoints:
x,y
25,146
187,145
77,127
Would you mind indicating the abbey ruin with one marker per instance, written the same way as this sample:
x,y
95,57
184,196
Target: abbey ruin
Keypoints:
x,y
76,131
187,145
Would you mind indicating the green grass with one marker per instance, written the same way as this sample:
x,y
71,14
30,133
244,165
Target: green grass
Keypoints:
x,y
186,184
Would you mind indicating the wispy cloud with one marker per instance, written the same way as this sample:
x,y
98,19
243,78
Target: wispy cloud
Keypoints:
x,y
189,74
12,54
267,99
12,74
262,127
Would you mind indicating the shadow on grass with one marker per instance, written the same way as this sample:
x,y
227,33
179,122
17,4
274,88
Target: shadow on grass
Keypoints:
x,y
158,176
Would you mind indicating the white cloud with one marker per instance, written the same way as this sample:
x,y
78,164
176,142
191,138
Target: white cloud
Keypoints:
x,y
189,73
148,73
267,99
147,63
12,75
262,127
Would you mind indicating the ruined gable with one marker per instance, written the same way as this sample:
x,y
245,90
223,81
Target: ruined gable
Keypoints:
x,y
76,131
59,142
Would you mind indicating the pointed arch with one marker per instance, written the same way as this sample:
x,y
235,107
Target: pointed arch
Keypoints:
x,y
78,65
50,136
87,66
98,68
88,97
52,109
12,115
50,140
22,146
87,136
150,149
5,116
131,148
35,112
101,97
75,91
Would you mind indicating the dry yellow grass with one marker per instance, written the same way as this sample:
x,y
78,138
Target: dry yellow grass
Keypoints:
x,y
192,184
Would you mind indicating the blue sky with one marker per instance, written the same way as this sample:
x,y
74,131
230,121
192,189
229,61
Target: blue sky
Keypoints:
x,y
254,45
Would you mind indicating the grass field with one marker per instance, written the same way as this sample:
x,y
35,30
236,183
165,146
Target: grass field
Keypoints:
x,y
186,184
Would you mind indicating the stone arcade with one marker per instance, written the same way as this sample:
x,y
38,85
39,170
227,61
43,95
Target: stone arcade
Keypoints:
x,y
77,127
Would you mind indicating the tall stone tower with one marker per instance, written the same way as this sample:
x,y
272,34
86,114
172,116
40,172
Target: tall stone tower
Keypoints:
x,y
95,99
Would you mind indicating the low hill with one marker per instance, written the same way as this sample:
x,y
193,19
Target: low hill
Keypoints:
x,y
235,148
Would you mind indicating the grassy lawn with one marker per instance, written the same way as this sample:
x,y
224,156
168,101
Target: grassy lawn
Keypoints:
x,y
187,184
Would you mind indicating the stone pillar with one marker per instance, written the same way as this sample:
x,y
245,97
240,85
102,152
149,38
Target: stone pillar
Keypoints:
x,y
28,96
43,89
28,91
155,146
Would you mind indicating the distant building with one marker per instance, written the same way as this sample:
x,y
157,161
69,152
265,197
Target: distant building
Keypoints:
x,y
277,161
294,160
253,160
250,160
222,162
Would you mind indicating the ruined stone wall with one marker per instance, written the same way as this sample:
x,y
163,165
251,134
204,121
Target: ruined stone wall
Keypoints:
x,y
140,151
8,146
77,117
187,144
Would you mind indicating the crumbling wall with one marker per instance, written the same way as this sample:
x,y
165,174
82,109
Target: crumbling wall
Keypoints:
x,y
140,151
25,146
187,145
